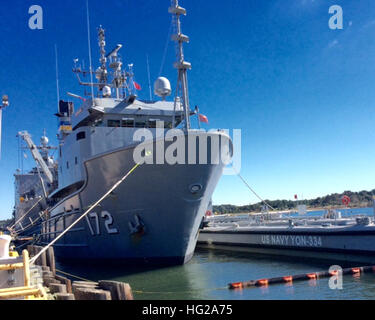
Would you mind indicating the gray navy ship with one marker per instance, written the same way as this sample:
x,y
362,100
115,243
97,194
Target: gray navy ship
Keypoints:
x,y
153,216
33,187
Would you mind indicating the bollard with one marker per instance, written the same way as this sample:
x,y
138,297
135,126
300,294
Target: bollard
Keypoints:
x,y
65,281
48,280
30,249
119,290
43,258
57,288
47,274
64,296
51,259
84,285
91,294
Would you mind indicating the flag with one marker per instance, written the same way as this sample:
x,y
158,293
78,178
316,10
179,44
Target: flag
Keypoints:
x,y
203,118
295,197
137,86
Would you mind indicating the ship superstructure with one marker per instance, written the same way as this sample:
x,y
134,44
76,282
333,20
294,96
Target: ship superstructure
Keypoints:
x,y
32,188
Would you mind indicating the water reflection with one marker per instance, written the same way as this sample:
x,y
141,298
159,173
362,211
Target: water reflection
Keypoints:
x,y
207,275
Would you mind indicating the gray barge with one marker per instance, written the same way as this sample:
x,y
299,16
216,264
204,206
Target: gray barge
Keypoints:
x,y
329,238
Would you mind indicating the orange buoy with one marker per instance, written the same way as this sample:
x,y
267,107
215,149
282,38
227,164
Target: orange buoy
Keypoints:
x,y
356,270
262,282
236,285
312,275
334,272
288,279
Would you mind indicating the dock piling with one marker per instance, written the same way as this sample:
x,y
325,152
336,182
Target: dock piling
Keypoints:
x,y
62,288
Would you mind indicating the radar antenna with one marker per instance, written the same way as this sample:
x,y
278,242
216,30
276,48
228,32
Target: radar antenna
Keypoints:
x,y
181,65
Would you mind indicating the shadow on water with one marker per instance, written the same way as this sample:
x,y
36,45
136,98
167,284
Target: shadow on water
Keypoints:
x,y
207,276
147,281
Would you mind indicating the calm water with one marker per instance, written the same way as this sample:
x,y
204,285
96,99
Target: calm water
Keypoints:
x,y
206,277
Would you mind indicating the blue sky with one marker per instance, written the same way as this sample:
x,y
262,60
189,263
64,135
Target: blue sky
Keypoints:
x,y
302,94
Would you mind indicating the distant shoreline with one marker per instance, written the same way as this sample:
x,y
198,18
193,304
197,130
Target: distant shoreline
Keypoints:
x,y
311,209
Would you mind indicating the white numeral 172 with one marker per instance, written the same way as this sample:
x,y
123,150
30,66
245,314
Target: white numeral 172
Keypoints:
x,y
107,222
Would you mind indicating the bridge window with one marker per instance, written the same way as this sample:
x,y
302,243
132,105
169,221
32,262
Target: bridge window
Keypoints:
x,y
127,123
140,124
152,123
113,123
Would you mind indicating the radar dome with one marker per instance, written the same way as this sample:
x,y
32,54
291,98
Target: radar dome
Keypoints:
x,y
106,92
44,140
162,87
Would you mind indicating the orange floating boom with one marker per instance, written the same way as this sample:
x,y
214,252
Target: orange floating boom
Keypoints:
x,y
300,277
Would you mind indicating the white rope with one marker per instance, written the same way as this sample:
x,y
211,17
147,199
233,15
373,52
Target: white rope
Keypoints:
x,y
84,214
243,180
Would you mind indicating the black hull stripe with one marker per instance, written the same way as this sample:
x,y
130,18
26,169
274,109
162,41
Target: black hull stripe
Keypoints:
x,y
264,246
299,233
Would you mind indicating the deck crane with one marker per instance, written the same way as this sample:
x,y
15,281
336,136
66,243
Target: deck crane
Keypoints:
x,y
37,155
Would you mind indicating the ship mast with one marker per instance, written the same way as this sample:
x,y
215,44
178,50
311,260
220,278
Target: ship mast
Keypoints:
x,y
181,65
102,73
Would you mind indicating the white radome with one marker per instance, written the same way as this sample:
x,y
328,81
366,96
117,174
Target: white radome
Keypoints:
x,y
106,91
44,140
162,87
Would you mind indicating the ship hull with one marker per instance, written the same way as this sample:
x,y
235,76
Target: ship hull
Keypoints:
x,y
153,216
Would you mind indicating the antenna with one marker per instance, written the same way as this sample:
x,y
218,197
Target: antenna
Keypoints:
x,y
102,73
149,77
5,103
89,43
181,65
57,80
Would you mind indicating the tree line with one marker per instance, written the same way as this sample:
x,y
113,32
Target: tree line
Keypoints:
x,y
357,199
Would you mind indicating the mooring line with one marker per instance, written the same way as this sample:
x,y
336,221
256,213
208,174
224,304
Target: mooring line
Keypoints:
x,y
92,207
73,276
251,189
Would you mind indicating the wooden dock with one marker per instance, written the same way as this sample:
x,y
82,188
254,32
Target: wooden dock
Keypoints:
x,y
43,282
